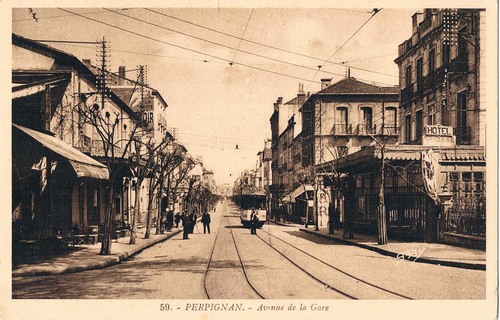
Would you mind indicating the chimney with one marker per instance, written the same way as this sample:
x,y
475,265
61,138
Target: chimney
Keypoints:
x,y
325,83
301,95
86,62
121,71
121,74
280,100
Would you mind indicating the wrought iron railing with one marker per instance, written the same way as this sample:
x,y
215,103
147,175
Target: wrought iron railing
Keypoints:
x,y
390,130
367,129
463,135
342,129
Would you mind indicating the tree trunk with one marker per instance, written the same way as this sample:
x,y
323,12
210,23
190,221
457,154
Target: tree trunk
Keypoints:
x,y
133,229
150,209
108,221
382,220
159,215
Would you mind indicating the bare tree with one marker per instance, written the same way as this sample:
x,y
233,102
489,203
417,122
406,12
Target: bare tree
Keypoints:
x,y
105,124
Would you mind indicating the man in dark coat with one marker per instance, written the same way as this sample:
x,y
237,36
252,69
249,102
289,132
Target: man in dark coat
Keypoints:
x,y
177,219
192,221
206,222
170,220
254,221
185,226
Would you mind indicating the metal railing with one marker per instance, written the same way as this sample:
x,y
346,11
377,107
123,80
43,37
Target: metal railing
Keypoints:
x,y
463,135
342,129
367,129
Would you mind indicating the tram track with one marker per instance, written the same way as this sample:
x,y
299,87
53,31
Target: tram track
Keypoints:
x,y
209,263
336,269
326,285
332,267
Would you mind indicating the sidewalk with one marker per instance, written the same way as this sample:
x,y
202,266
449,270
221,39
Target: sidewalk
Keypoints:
x,y
87,257
433,253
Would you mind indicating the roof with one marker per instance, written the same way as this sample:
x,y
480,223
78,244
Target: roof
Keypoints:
x,y
83,165
69,60
353,86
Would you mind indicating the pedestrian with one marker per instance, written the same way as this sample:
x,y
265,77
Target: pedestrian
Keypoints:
x,y
177,219
254,221
192,221
185,226
170,220
214,209
205,218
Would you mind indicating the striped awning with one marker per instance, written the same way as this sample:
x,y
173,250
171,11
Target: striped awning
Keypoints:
x,y
83,165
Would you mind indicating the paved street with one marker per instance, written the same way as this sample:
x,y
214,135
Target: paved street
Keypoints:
x,y
176,268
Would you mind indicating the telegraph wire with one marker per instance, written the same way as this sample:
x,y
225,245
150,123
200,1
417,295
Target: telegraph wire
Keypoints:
x,y
184,48
263,44
241,38
222,45
374,12
67,15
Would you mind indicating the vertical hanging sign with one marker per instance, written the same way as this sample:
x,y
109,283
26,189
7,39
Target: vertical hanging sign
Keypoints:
x,y
429,174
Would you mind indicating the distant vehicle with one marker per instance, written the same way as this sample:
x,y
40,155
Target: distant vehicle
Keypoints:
x,y
249,201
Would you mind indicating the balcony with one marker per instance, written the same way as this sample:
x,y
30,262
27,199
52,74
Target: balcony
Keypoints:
x,y
463,134
406,95
342,129
390,130
460,64
367,129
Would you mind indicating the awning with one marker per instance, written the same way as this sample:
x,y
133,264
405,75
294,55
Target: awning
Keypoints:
x,y
300,190
83,165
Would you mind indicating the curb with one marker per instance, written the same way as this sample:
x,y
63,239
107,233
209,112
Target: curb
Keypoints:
x,y
284,224
110,261
447,263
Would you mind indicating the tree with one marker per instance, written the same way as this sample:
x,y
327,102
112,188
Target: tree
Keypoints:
x,y
105,123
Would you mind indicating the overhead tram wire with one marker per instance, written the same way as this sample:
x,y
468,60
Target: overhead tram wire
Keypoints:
x,y
241,38
374,12
184,48
223,45
263,44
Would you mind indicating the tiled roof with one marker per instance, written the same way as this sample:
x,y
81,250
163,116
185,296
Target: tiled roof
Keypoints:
x,y
353,86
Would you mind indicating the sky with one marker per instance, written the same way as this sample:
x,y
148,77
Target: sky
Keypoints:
x,y
220,89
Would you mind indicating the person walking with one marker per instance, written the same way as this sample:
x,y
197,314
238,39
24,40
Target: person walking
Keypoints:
x,y
254,221
205,219
192,221
185,226
177,220
170,220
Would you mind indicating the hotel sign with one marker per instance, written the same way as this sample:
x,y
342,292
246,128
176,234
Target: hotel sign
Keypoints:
x,y
438,130
438,135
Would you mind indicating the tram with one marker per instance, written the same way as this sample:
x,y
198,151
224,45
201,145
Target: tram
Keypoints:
x,y
249,201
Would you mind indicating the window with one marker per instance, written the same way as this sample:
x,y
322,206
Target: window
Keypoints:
x,y
408,76
419,125
432,61
408,128
431,116
341,120
462,44
462,131
367,125
390,120
419,74
445,54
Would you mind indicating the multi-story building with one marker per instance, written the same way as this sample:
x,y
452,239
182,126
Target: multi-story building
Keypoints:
x,y
286,125
343,118
51,88
443,108
434,179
